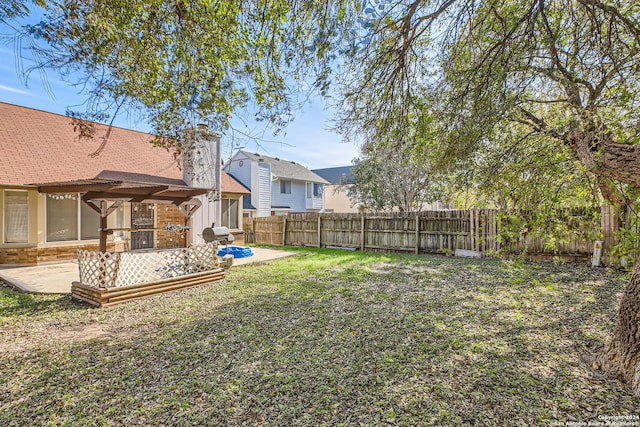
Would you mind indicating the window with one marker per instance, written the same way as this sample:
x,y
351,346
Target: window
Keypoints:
x,y
62,217
68,217
16,216
89,222
285,187
314,190
230,213
119,218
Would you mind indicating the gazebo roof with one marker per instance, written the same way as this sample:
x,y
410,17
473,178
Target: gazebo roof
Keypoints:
x,y
125,187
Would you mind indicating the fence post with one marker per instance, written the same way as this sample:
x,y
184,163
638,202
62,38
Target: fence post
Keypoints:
x,y
477,236
319,223
417,233
472,232
284,231
253,229
362,240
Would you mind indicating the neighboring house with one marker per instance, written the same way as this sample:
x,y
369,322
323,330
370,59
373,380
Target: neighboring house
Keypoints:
x,y
277,186
336,198
42,148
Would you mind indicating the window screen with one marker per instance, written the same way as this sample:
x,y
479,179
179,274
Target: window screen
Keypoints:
x,y
16,217
62,217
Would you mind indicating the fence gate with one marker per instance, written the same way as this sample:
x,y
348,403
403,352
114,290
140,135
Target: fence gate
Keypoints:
x,y
141,217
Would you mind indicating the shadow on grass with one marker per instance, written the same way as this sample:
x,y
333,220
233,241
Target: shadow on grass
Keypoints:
x,y
14,303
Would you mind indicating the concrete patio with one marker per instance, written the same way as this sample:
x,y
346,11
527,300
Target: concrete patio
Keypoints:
x,y
57,278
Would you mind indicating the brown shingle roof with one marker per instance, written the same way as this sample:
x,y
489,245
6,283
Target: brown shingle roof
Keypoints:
x,y
230,185
38,147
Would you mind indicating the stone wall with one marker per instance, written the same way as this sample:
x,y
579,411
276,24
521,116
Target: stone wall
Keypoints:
x,y
21,256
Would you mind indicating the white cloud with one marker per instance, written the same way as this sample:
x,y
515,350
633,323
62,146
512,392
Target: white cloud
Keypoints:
x,y
15,90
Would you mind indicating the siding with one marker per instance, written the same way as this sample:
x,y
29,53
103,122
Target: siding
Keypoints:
x,y
240,173
208,213
296,200
263,204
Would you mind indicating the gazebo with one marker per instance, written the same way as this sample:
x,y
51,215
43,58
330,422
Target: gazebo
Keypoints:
x,y
108,278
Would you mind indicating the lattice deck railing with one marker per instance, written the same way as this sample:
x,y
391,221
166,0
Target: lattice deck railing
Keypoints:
x,y
115,269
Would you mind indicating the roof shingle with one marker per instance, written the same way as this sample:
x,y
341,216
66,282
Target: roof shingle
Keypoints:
x,y
339,175
285,168
38,147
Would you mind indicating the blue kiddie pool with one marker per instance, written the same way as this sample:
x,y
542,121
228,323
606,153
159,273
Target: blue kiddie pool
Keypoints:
x,y
236,251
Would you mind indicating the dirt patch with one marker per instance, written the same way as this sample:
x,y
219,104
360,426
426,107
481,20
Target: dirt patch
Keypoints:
x,y
16,341
388,267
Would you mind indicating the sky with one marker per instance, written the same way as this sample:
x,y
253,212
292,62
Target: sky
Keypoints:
x,y
307,140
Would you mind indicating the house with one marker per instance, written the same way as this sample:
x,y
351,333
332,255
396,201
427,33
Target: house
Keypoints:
x,y
336,198
46,170
277,186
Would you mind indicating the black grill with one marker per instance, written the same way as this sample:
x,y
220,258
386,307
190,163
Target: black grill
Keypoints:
x,y
218,234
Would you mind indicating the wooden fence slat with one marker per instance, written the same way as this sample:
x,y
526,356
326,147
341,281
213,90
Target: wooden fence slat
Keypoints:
x,y
362,231
417,234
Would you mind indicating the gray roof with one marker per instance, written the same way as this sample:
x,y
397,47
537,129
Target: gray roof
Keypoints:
x,y
285,168
339,175
246,203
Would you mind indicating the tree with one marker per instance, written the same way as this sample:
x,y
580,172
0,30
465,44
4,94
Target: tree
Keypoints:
x,y
388,178
10,9
185,62
566,69
539,188
517,170
399,166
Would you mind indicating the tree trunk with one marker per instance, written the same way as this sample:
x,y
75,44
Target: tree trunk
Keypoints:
x,y
607,160
620,357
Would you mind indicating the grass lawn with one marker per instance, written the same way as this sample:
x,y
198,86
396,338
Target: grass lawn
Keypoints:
x,y
323,338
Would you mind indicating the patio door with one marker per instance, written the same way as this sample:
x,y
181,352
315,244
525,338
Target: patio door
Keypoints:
x,y
141,217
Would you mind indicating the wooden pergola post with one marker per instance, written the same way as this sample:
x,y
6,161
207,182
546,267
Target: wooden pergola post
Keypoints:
x,y
104,210
188,208
103,226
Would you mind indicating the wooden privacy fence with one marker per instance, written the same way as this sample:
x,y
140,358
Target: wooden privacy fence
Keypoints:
x,y
424,232
434,231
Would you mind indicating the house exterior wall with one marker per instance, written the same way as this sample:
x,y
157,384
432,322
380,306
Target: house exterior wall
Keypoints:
x,y
337,200
265,190
201,169
33,218
296,200
208,213
167,214
243,173
38,250
251,175
238,233
46,254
